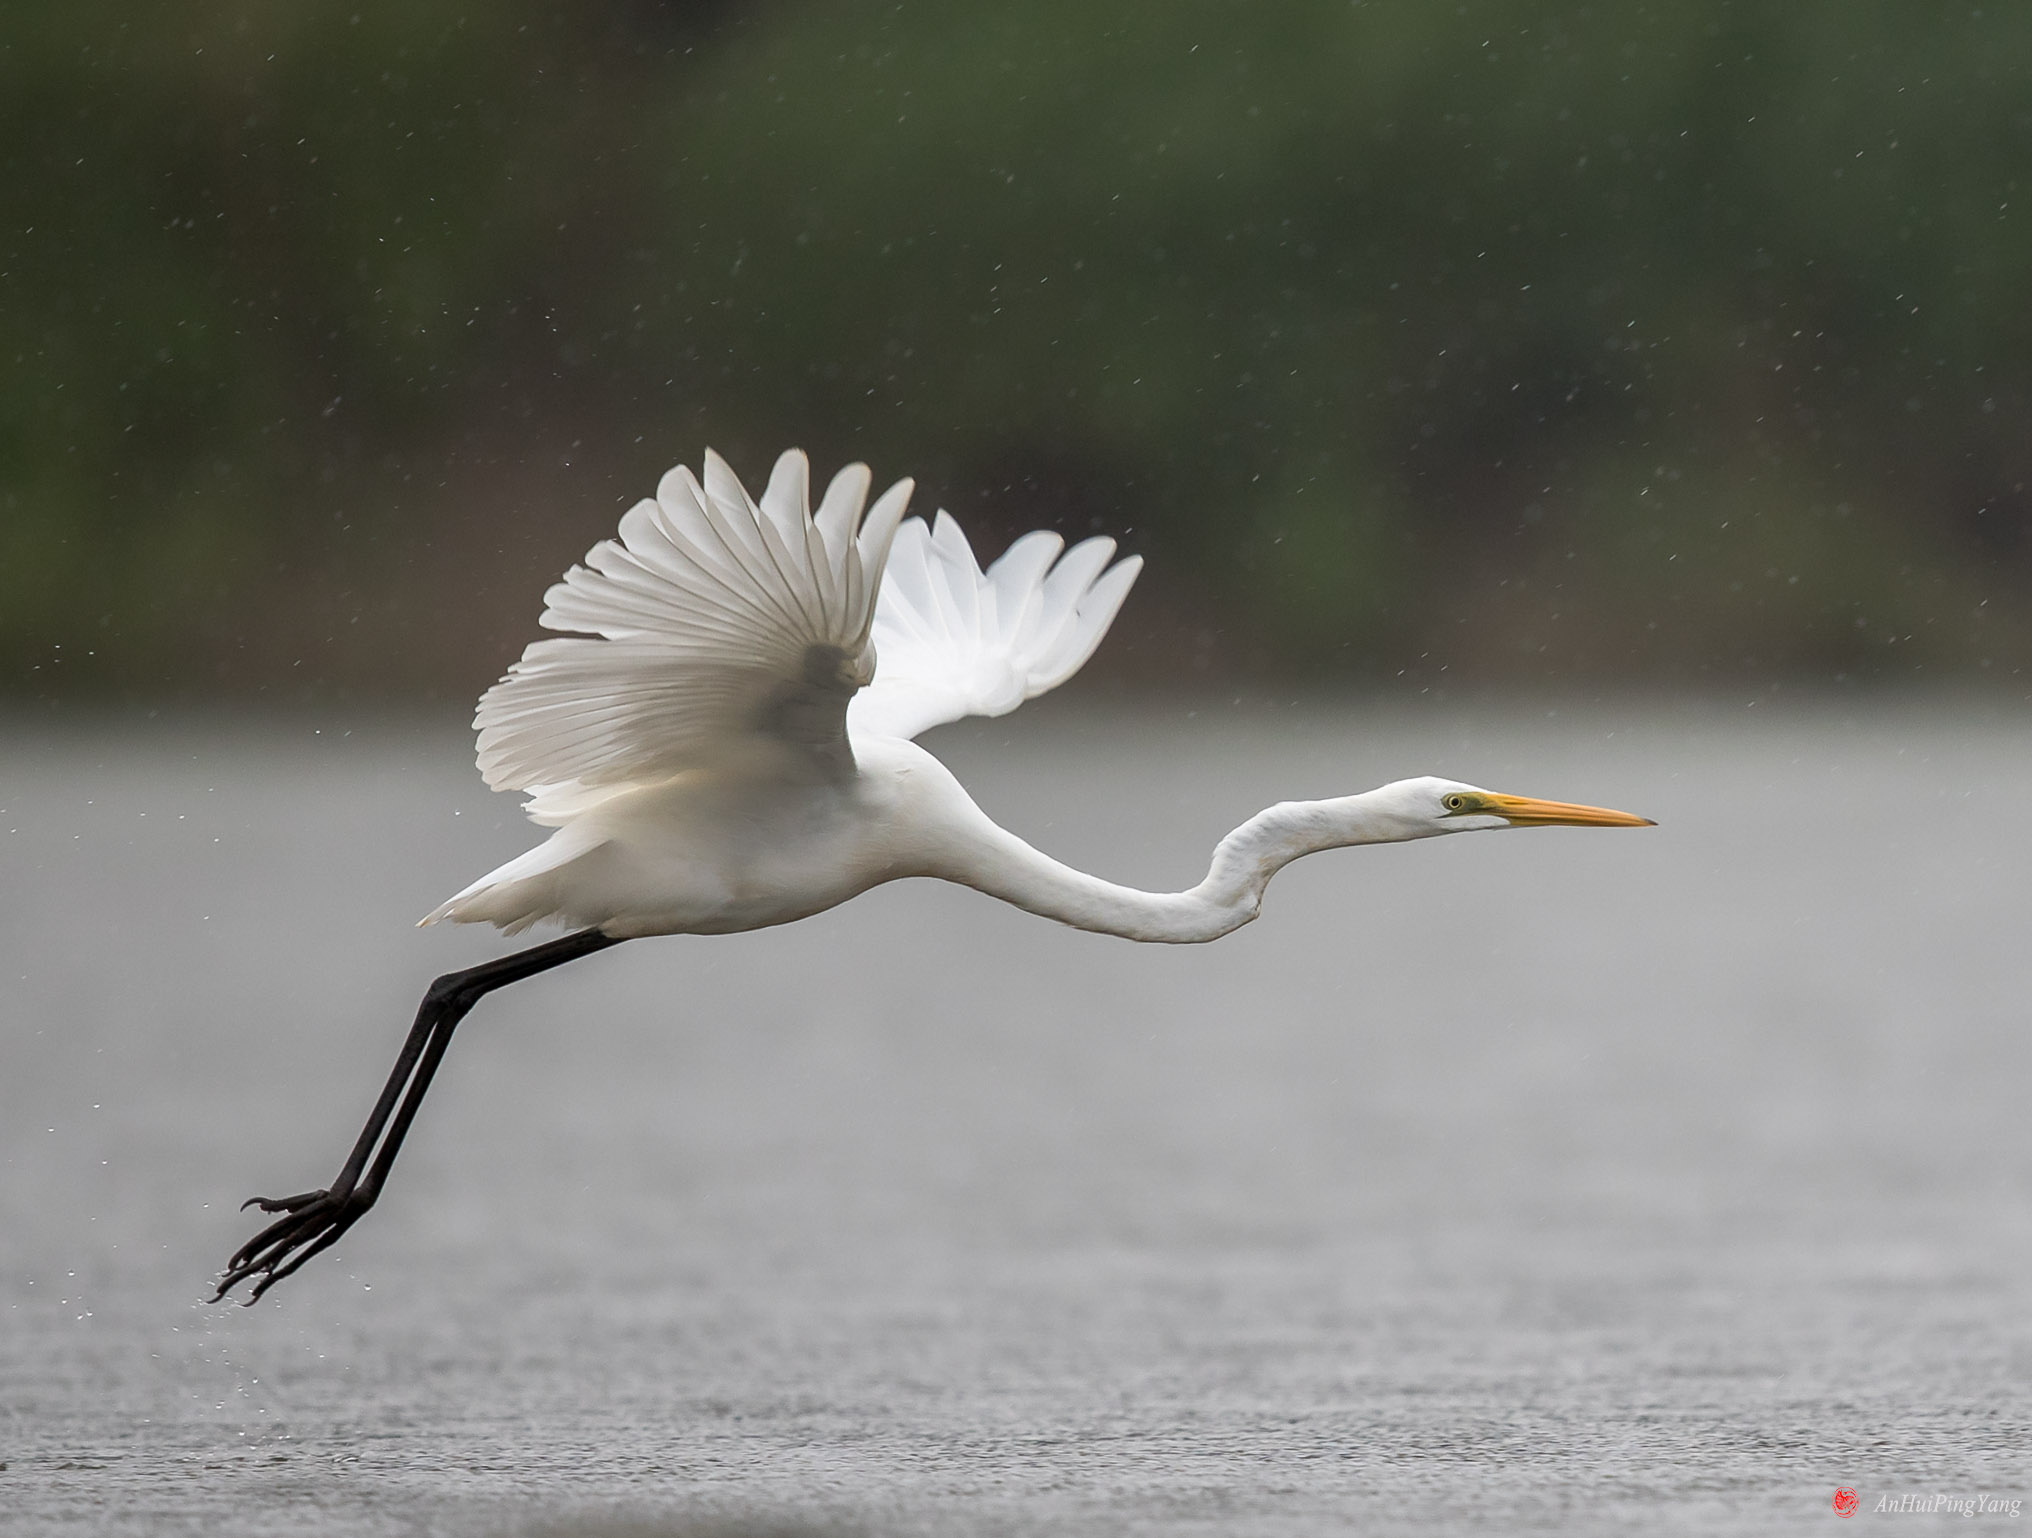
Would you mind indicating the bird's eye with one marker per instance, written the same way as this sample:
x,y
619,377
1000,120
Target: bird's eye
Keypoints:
x,y
1455,802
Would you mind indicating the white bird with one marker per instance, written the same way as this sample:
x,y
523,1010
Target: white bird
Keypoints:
x,y
722,741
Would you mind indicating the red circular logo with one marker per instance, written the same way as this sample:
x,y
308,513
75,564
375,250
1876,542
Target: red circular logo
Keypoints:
x,y
1845,1502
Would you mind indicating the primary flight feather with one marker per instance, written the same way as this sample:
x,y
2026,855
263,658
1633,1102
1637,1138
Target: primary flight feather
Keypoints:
x,y
720,737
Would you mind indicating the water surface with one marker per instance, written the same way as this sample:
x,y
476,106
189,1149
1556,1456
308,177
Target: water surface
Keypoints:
x,y
1543,1182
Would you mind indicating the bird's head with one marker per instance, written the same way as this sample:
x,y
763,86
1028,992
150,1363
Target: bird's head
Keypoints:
x,y
1429,806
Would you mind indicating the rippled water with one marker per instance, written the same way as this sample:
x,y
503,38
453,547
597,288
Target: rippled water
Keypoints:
x,y
1559,1181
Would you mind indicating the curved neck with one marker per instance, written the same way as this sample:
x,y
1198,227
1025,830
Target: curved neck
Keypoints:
x,y
1000,864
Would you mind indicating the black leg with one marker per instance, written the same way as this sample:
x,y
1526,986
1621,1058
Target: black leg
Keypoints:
x,y
315,1219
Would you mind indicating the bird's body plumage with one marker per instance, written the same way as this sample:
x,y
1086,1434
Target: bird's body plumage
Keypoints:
x,y
720,738
723,743
714,852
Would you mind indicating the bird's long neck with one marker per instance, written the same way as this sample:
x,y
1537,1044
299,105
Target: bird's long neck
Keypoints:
x,y
1002,865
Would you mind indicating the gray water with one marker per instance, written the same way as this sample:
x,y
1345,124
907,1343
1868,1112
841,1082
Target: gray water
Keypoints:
x,y
1551,1182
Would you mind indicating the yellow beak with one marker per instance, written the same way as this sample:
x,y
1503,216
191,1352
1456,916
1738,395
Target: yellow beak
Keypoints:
x,y
1527,812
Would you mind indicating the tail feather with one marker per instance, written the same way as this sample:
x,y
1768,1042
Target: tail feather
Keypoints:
x,y
525,891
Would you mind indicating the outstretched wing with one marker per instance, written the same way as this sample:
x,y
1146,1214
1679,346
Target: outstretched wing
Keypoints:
x,y
712,629
952,640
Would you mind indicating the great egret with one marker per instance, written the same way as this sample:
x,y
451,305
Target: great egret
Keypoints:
x,y
719,750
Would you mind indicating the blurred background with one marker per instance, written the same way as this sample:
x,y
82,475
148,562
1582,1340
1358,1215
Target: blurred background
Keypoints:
x,y
1670,344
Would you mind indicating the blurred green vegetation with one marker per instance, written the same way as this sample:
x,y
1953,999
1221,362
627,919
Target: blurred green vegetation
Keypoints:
x,y
1660,342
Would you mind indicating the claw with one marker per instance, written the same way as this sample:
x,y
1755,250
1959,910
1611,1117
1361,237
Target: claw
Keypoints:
x,y
282,1203
313,1221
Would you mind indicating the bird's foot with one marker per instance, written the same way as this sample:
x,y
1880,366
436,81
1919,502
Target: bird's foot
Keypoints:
x,y
311,1222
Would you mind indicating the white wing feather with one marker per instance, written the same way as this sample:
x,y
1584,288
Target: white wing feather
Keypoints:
x,y
952,640
694,626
